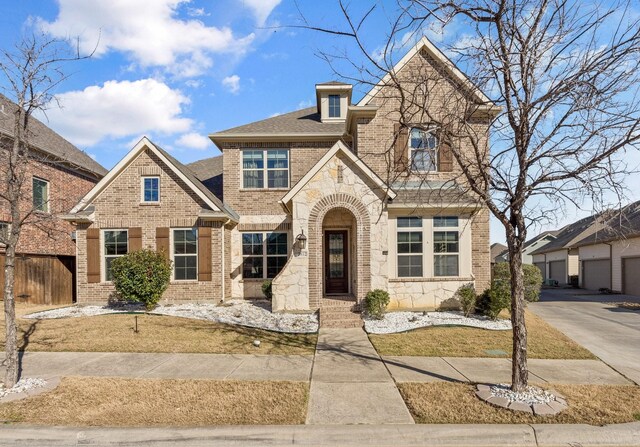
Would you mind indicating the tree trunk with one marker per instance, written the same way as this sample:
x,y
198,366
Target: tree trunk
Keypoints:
x,y
11,340
519,371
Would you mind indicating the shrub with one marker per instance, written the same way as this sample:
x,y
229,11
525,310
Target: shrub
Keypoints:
x,y
498,298
532,279
376,302
467,297
266,289
141,276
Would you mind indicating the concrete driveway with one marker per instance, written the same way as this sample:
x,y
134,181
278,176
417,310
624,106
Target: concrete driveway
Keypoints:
x,y
596,322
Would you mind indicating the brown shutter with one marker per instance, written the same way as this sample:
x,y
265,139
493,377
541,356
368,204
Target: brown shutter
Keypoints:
x,y
401,148
93,255
135,239
162,241
204,254
445,158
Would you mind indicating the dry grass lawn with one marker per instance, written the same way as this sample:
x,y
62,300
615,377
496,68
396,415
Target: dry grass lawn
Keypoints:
x,y
456,403
544,342
115,333
148,402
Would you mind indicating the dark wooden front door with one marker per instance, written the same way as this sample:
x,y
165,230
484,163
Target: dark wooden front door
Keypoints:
x,y
336,262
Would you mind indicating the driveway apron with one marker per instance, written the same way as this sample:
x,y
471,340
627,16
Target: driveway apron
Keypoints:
x,y
350,383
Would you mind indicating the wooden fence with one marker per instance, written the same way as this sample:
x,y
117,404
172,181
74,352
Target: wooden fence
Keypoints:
x,y
42,279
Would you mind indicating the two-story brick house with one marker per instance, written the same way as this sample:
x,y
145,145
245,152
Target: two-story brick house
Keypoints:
x,y
329,202
57,175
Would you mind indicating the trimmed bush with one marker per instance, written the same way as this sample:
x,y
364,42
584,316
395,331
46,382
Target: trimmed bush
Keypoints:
x,y
532,279
467,297
141,276
266,289
498,298
376,302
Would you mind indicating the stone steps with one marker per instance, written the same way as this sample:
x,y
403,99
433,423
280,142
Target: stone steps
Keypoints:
x,y
340,313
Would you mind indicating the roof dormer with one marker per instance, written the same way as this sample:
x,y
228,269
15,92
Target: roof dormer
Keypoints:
x,y
333,98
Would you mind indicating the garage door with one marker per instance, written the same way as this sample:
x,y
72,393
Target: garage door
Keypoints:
x,y
558,271
631,276
540,266
596,274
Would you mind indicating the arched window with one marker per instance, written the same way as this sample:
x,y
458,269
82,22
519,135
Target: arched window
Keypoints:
x,y
423,149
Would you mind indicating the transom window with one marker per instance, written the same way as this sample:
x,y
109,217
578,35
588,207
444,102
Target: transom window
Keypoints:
x,y
446,247
264,254
445,221
409,247
185,254
423,149
150,189
116,244
276,168
334,106
40,195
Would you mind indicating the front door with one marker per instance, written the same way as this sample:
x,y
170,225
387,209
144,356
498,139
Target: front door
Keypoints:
x,y
336,262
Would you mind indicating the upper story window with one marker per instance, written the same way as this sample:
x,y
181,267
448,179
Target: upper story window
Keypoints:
x,y
4,230
446,246
116,244
150,189
409,247
40,195
185,254
423,149
334,106
275,170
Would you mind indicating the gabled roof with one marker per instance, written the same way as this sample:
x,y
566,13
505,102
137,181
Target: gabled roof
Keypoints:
x,y
497,249
178,168
209,172
622,224
48,142
426,45
569,235
342,148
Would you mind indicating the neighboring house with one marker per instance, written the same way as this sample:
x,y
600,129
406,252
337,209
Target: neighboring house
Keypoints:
x,y
610,257
311,201
557,259
57,176
499,253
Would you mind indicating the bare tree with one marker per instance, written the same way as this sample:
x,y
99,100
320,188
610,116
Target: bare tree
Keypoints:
x,y
565,76
31,70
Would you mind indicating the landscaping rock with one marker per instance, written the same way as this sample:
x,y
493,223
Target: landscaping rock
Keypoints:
x,y
543,410
393,322
499,401
557,406
484,394
520,406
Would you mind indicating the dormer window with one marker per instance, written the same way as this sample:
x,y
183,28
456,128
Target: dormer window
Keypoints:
x,y
334,106
423,149
150,189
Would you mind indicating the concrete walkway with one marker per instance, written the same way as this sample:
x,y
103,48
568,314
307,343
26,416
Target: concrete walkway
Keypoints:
x,y
612,333
350,383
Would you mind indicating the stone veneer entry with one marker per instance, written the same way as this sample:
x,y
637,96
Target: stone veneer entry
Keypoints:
x,y
554,406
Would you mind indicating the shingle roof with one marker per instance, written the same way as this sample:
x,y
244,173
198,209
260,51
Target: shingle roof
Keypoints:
x,y
432,193
209,172
569,235
542,235
47,141
303,121
497,250
622,224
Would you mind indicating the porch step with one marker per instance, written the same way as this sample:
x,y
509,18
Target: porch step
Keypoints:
x,y
340,313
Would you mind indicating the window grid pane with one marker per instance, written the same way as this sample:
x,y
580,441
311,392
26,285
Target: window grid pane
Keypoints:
x,y
151,189
276,168
445,265
40,195
264,254
423,149
445,221
115,245
409,222
334,106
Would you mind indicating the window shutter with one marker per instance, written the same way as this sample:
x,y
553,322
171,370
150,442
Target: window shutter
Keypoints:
x,y
93,255
401,148
135,239
162,241
204,254
445,158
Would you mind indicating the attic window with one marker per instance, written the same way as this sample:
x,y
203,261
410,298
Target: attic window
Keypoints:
x,y
151,189
334,106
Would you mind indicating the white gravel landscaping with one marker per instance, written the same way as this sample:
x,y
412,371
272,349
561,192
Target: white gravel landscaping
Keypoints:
x,y
393,322
22,386
255,314
532,395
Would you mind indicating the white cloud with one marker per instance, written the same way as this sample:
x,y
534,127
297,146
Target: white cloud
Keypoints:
x,y
261,9
232,83
194,140
119,109
148,31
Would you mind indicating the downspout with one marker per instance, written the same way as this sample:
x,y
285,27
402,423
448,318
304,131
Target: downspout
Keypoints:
x,y
224,260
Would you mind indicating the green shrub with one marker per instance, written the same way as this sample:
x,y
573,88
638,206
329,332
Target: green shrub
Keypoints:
x,y
498,298
141,276
376,302
266,289
467,297
532,279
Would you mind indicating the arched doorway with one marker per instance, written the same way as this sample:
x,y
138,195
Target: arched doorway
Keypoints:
x,y
339,234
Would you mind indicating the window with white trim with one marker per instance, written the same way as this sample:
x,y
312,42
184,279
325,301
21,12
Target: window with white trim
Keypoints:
x,y
116,244
334,106
423,149
409,240
40,195
151,189
263,254
272,174
185,254
446,246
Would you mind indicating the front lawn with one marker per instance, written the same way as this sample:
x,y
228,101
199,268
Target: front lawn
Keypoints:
x,y
115,333
153,402
544,342
456,403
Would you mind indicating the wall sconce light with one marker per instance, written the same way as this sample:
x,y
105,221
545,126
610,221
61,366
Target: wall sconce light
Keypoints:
x,y
302,240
